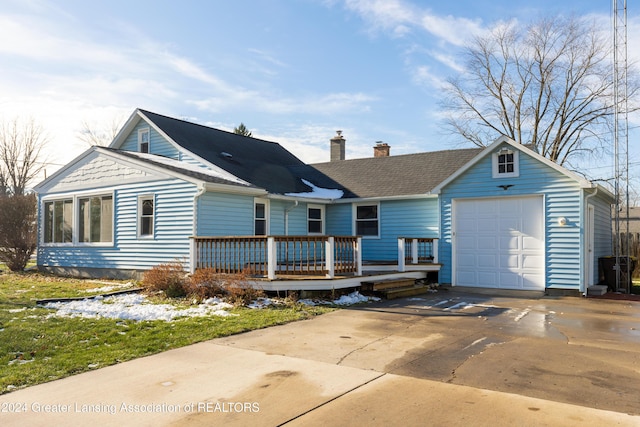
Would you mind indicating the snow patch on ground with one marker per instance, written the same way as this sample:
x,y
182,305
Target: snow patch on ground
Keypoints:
x,y
353,298
138,307
135,307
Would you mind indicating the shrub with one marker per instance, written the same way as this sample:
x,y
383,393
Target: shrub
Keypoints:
x,y
17,230
238,291
206,283
168,278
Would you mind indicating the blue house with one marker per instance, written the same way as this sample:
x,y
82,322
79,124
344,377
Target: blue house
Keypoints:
x,y
167,190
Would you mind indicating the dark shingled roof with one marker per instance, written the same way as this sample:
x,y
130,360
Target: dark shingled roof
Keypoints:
x,y
264,164
268,165
402,175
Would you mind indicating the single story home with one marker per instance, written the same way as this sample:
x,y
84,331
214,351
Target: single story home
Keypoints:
x,y
167,190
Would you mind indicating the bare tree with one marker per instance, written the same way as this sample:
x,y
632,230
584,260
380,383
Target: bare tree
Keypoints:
x,y
94,134
21,144
548,84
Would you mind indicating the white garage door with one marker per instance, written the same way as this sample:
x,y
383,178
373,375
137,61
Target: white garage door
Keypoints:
x,y
499,243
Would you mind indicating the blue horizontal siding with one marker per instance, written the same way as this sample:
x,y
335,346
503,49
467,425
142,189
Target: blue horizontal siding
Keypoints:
x,y
173,225
562,198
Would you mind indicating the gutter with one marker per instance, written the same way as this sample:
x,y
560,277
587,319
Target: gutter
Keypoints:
x,y
286,217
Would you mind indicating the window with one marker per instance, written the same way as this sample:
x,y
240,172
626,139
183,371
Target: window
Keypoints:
x,y
367,220
58,221
315,219
146,213
95,219
143,140
505,163
261,214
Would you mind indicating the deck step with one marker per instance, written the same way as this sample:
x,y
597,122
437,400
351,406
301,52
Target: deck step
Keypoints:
x,y
406,291
396,288
379,285
597,290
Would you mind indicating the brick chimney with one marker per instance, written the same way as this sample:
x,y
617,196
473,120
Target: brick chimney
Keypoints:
x,y
381,149
337,147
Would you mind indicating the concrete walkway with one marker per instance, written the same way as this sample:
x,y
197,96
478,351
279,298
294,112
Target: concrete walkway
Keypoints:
x,y
381,364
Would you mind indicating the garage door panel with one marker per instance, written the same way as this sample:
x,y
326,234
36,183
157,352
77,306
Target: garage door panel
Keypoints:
x,y
486,279
532,243
487,225
507,235
510,262
532,261
487,260
510,243
532,281
509,280
487,242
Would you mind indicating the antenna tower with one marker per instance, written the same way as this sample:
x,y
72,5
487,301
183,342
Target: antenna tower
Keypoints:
x,y
621,139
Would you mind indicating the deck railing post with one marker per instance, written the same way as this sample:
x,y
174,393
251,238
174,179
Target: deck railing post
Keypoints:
x,y
434,250
272,258
192,255
401,254
330,256
414,251
358,256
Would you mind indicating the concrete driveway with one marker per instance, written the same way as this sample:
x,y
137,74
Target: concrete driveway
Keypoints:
x,y
448,358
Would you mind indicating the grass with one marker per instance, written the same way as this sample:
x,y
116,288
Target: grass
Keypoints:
x,y
36,347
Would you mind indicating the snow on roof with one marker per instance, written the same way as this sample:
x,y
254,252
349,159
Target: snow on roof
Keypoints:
x,y
318,192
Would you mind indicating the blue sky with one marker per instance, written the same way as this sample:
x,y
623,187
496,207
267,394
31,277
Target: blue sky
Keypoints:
x,y
292,71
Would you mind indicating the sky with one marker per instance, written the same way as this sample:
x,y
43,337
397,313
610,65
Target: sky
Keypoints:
x,y
293,71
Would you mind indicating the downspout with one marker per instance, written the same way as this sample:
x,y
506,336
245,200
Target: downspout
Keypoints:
x,y
201,190
286,217
585,214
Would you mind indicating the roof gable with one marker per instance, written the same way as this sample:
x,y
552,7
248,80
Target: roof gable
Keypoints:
x,y
582,182
104,167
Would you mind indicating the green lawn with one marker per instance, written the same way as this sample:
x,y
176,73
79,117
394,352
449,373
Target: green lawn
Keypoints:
x,y
36,347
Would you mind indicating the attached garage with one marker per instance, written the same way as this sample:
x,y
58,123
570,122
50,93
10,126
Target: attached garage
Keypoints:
x,y
512,219
499,242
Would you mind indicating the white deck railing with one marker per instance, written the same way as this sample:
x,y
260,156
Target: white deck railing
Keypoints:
x,y
273,256
416,251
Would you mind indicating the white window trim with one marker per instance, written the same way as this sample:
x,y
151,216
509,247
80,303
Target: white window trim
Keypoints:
x,y
354,213
43,216
141,199
76,220
267,215
322,217
516,164
140,133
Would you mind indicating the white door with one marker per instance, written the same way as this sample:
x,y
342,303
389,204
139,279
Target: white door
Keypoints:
x,y
499,243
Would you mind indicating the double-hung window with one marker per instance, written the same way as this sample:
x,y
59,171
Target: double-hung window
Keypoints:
x,y
95,219
260,218
146,214
315,219
367,220
143,140
58,221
